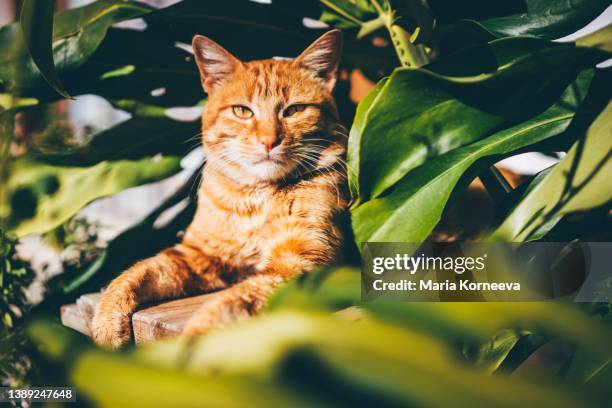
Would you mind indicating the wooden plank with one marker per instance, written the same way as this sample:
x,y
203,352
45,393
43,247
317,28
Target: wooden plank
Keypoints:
x,y
166,319
78,316
72,316
152,322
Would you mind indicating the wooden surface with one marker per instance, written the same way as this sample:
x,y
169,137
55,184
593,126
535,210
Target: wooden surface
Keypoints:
x,y
150,323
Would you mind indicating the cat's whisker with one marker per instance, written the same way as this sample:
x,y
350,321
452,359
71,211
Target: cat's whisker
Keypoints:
x,y
307,165
312,157
223,159
306,156
338,157
330,181
306,169
197,137
197,180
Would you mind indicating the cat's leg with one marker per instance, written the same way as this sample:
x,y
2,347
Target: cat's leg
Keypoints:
x,y
236,303
285,261
174,272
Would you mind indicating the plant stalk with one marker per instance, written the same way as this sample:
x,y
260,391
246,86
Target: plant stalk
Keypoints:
x,y
409,54
497,186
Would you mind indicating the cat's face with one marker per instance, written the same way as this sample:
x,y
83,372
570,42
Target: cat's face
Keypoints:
x,y
265,120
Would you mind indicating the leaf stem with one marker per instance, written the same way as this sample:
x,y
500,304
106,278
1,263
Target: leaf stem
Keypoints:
x,y
409,54
7,123
341,12
497,186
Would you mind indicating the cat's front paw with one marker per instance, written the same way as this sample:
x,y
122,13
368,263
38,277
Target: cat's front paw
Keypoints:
x,y
215,313
111,326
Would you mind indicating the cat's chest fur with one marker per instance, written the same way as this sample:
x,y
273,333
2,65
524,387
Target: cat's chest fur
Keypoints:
x,y
237,225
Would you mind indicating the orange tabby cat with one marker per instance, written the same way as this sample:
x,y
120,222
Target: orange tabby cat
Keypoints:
x,y
271,191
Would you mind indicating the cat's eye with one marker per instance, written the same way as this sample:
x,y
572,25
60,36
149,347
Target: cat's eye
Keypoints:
x,y
242,112
293,109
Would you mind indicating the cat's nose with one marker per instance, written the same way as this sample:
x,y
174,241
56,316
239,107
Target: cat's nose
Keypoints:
x,y
270,143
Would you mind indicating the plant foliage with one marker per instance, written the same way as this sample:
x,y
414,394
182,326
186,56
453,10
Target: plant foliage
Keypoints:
x,y
458,87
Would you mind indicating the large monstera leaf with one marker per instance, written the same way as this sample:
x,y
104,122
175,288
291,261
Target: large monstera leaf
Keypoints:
x,y
417,114
278,27
77,34
37,24
411,210
91,57
40,196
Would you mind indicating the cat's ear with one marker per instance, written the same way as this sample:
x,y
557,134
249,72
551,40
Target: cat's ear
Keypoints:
x,y
214,62
322,57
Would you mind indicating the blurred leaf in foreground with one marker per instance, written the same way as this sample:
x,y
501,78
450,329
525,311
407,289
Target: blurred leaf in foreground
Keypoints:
x,y
312,357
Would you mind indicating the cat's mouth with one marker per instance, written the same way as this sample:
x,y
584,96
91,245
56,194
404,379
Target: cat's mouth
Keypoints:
x,y
269,160
269,168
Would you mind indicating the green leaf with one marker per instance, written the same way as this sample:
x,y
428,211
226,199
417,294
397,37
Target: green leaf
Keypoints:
x,y
580,181
354,142
408,23
491,354
418,114
312,358
346,14
144,67
37,24
517,195
112,380
365,361
238,24
328,288
77,33
134,138
591,368
477,322
413,16
547,18
41,196
413,208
